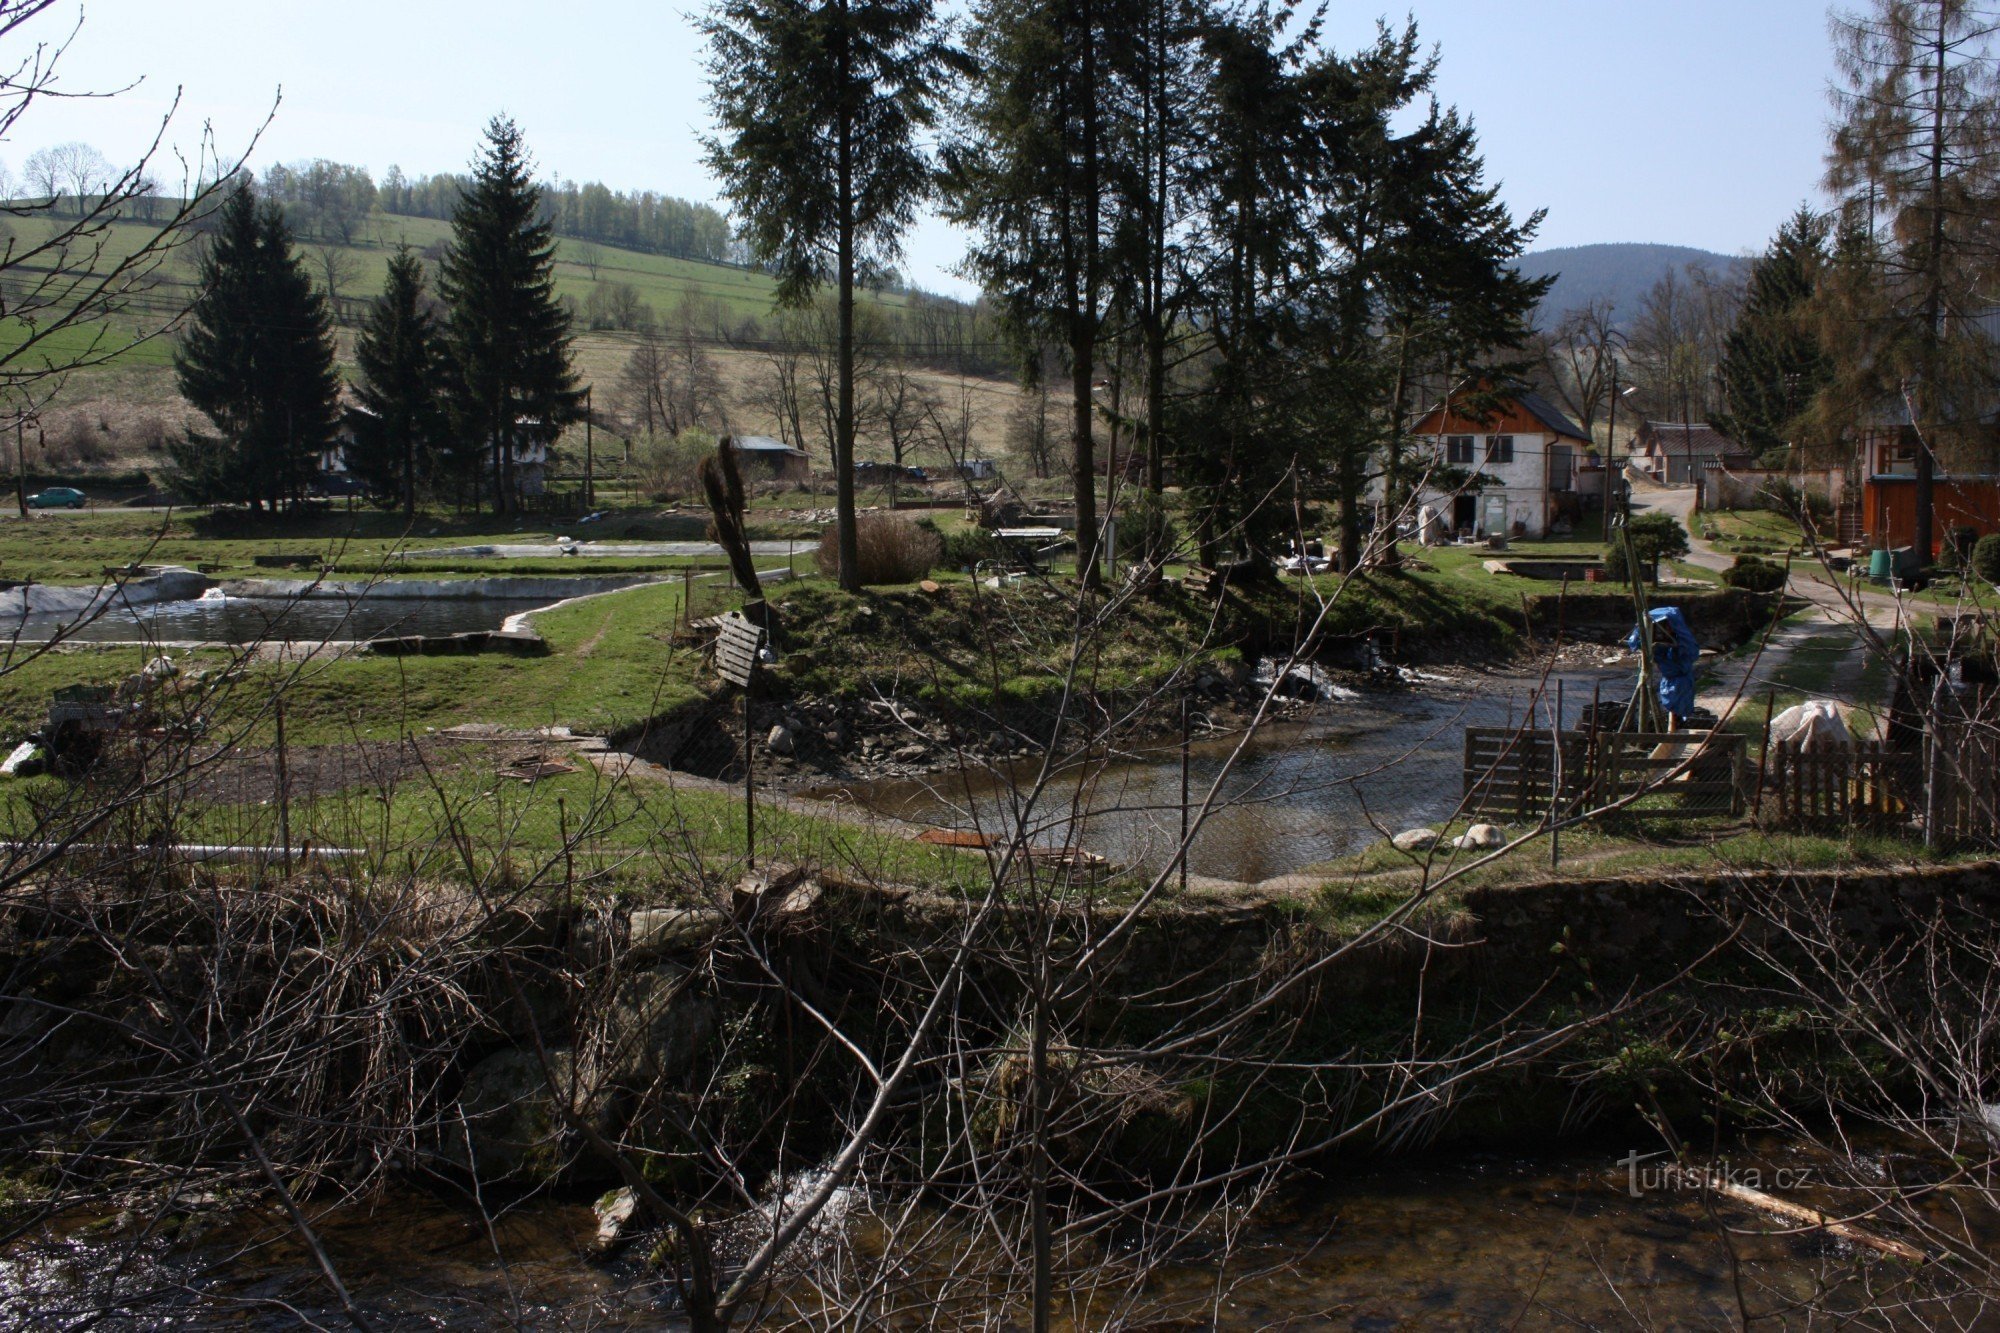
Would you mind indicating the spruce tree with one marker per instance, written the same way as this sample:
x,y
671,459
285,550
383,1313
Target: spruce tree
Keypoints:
x,y
822,105
258,361
1028,172
507,337
399,424
1772,363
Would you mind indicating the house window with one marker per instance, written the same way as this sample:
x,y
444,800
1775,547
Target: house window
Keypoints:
x,y
1458,450
1499,448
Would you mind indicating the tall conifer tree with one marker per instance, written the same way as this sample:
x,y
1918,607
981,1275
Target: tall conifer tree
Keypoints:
x,y
1772,363
507,336
1028,171
258,361
399,424
822,104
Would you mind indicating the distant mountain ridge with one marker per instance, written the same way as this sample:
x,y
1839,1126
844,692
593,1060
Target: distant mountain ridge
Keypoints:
x,y
1623,272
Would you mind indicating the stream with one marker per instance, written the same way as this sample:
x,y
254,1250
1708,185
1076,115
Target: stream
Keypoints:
x,y
1460,1241
1360,767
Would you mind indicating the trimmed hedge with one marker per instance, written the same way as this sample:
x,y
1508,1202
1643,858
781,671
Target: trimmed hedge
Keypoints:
x,y
1986,558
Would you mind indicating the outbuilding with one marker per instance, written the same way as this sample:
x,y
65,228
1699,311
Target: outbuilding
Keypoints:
x,y
761,458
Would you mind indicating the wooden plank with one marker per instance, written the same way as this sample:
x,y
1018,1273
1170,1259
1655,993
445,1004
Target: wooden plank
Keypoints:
x,y
737,644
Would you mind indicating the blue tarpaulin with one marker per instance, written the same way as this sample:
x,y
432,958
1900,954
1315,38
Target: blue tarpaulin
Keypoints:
x,y
1674,654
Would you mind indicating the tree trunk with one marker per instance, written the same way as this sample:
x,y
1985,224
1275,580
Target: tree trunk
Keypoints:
x,y
1156,402
1928,397
843,422
1083,315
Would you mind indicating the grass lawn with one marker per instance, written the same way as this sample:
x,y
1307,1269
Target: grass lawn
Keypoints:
x,y
65,547
1750,531
1357,890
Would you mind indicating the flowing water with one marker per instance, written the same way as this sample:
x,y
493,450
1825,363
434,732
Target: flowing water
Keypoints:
x,y
215,618
1466,1241
1362,766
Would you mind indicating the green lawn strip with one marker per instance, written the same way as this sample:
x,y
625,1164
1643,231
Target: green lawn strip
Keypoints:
x,y
1750,531
579,824
78,549
610,666
1356,891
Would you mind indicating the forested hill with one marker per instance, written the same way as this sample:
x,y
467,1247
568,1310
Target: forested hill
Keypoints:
x,y
329,201
1622,273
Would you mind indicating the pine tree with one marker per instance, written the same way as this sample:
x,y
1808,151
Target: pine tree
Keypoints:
x,y
507,337
1028,172
398,426
258,361
1915,158
1772,363
822,106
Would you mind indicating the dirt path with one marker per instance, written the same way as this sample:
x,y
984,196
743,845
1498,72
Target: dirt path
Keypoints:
x,y
1826,637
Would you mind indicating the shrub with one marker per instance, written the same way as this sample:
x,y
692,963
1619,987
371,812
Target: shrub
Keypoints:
x,y
668,468
1959,539
1655,537
1146,530
1986,558
965,548
1754,575
1614,565
891,548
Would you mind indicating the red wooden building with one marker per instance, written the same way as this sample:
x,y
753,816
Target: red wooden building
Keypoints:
x,y
1889,495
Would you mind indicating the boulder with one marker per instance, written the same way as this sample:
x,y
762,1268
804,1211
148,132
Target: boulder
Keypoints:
x,y
1415,840
1482,838
615,1212
511,1127
654,1024
779,741
658,931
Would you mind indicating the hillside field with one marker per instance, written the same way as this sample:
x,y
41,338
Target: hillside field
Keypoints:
x,y
118,416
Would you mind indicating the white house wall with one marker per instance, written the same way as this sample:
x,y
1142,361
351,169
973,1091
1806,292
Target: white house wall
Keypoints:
x,y
1524,482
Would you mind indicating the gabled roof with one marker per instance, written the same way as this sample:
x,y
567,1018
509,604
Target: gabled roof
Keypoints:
x,y
1529,409
1693,438
763,444
1546,412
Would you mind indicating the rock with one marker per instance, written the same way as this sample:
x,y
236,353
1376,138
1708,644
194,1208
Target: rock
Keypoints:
x,y
511,1127
910,754
657,931
655,1024
1482,838
614,1212
1415,840
779,741
24,762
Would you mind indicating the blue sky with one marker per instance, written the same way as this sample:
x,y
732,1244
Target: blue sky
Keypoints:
x,y
1695,122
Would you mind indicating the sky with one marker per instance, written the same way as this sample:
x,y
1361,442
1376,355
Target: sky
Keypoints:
x,y
1691,122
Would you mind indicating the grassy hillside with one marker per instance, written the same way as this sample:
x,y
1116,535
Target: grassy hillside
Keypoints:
x,y
117,416
661,281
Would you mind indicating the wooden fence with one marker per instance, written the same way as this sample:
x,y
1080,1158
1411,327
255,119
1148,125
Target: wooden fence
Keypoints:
x,y
1682,774
1948,789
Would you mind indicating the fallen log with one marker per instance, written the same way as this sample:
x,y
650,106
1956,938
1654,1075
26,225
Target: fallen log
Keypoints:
x,y
1799,1213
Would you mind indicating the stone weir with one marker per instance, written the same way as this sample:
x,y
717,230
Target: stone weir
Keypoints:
x,y
161,583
